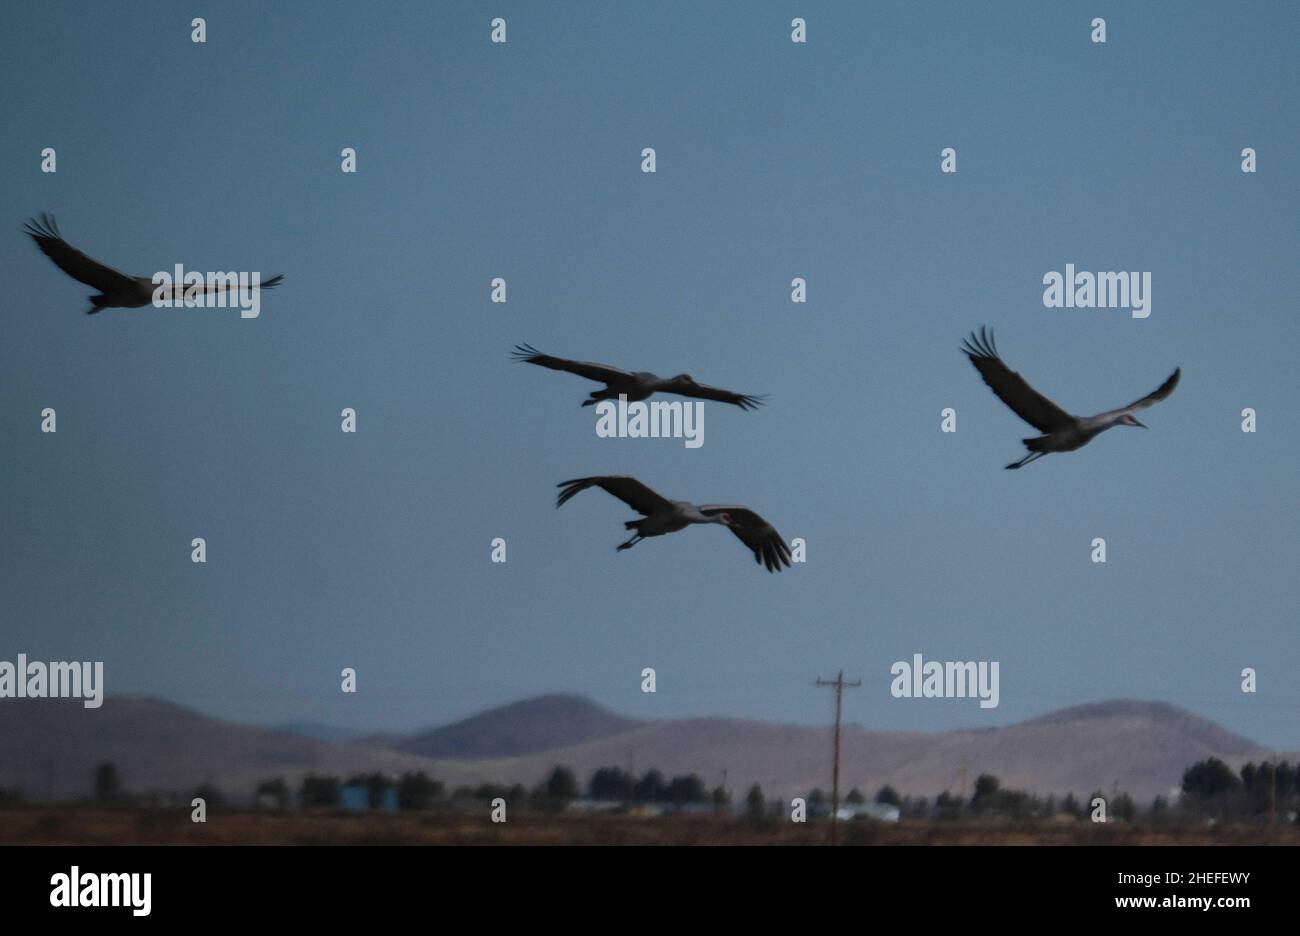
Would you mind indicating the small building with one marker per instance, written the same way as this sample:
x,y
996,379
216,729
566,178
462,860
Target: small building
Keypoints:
x,y
356,797
594,806
881,812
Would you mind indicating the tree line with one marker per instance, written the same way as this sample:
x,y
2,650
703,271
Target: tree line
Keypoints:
x,y
559,788
1210,790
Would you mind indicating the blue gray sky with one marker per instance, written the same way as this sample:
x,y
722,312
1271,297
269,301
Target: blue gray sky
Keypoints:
x,y
775,160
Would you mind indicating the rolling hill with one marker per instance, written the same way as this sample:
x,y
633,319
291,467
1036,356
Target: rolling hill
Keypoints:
x,y
51,747
544,723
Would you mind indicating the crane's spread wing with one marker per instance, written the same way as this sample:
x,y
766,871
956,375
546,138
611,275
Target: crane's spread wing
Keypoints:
x,y
602,372
745,401
1151,399
756,533
1011,388
71,260
627,489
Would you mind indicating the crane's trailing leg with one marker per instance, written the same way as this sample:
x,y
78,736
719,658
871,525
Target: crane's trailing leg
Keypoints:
x,y
1026,460
632,525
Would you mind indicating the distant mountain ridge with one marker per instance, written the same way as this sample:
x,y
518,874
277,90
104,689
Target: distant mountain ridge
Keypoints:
x,y
51,748
542,723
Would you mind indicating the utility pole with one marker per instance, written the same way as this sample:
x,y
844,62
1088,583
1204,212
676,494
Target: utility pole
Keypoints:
x,y
839,684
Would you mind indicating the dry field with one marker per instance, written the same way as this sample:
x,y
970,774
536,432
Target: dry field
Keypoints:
x,y
85,825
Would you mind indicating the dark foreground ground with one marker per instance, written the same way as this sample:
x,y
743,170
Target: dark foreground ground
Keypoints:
x,y
91,826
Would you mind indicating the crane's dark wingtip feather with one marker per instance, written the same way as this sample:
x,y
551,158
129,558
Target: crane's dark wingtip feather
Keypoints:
x,y
979,344
523,352
1166,388
773,553
42,228
571,488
